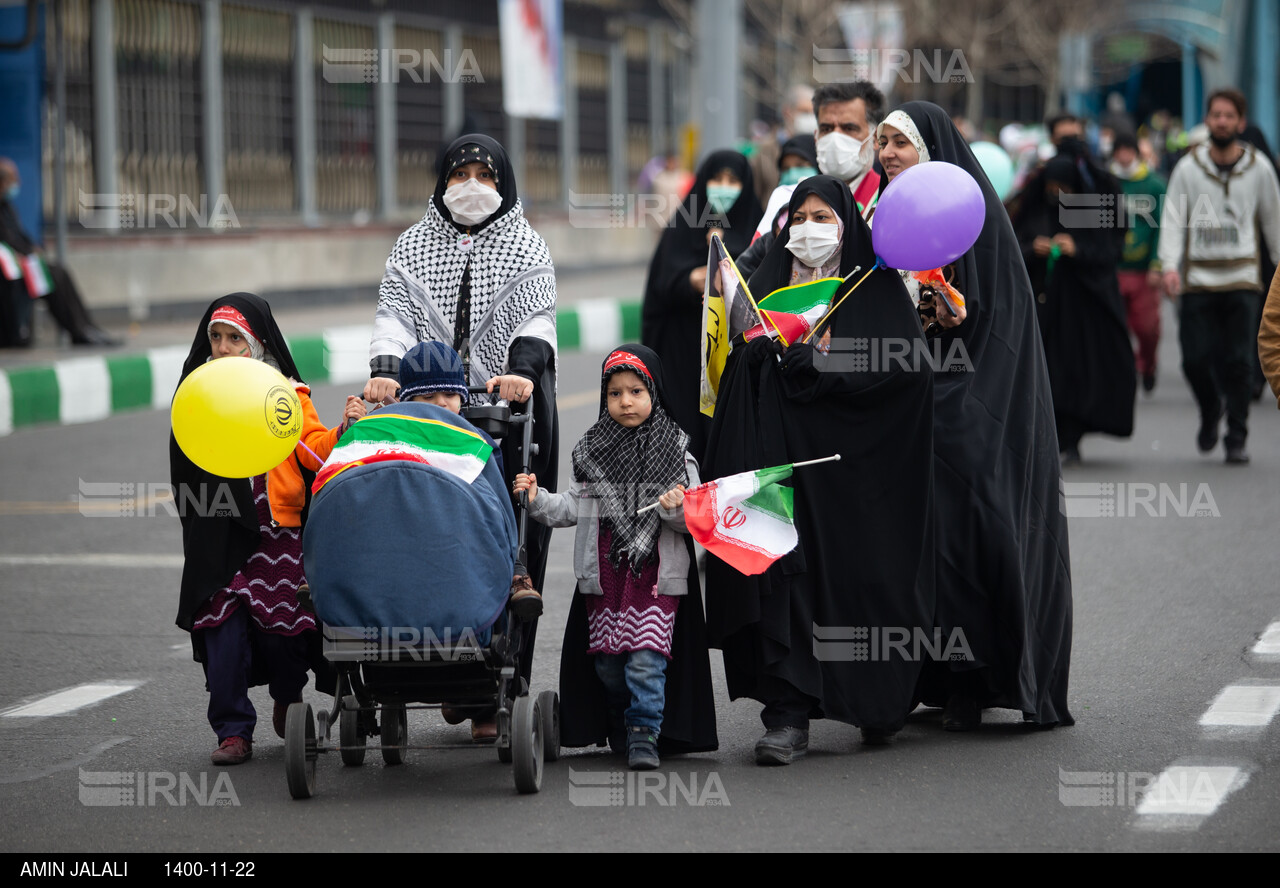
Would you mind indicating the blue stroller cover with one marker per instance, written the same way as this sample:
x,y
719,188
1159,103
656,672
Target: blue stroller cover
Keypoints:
x,y
408,547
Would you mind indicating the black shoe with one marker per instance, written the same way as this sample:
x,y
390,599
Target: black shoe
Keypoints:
x,y
1207,439
642,749
876,736
1237,455
782,746
961,713
1148,382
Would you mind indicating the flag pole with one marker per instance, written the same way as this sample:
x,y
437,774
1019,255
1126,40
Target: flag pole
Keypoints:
x,y
832,309
808,462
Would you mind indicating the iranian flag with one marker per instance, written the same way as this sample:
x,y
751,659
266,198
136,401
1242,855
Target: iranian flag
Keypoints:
x,y
9,266
791,312
39,282
388,437
744,520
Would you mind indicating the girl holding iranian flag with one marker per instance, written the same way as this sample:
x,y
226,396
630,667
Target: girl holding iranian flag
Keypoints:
x,y
634,665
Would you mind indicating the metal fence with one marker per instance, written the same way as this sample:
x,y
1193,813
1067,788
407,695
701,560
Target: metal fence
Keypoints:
x,y
275,136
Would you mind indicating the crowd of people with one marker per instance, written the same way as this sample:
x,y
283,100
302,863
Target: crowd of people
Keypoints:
x,y
942,516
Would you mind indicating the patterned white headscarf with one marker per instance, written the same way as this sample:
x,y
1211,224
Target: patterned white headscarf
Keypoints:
x,y
903,123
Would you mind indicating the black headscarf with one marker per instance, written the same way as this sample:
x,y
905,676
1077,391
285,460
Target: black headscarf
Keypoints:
x,y
671,318
1004,569
629,468
215,547
802,145
864,553
775,268
469,148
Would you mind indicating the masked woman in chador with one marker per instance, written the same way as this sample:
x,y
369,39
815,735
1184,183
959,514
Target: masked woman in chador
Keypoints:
x,y
864,559
722,200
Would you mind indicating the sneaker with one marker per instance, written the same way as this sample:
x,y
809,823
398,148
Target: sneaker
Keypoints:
x,y
782,746
642,749
1237,455
1148,382
232,751
526,603
1207,438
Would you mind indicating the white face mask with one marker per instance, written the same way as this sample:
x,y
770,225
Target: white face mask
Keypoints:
x,y
470,203
843,156
813,243
1126,171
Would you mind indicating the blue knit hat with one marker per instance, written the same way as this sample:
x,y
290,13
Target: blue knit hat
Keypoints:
x,y
431,367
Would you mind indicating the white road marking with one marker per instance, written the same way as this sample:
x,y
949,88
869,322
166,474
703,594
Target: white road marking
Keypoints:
x,y
1269,643
84,389
599,324
1248,706
347,353
166,370
1195,790
71,699
103,559
6,404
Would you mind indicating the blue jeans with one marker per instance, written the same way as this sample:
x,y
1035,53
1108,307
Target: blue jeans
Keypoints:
x,y
637,678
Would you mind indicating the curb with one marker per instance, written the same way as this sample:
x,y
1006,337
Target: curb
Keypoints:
x,y
86,389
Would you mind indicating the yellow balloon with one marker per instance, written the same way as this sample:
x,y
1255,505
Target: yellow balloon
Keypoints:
x,y
236,417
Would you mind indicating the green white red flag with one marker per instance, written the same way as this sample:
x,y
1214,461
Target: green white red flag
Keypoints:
x,y
9,266
385,437
745,520
39,281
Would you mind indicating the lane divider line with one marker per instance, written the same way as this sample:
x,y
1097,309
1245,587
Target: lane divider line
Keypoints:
x,y
69,700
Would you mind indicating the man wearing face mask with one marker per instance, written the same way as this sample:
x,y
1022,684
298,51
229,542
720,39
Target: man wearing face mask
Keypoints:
x,y
848,114
1219,195
1139,268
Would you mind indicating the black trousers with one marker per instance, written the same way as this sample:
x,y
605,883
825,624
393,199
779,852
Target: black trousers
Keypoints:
x,y
1219,337
66,306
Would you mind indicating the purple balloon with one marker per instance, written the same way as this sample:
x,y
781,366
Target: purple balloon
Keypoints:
x,y
929,216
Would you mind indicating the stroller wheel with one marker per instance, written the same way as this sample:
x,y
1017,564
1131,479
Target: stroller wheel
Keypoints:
x,y
526,744
300,751
549,710
394,733
350,737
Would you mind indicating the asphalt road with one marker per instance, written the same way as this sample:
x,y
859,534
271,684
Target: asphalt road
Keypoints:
x,y
1168,607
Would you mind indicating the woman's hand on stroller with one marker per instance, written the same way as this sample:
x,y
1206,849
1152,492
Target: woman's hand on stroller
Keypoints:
x,y
528,483
355,410
671,499
511,387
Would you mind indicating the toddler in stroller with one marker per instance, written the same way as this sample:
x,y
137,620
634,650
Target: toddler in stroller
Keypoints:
x,y
431,620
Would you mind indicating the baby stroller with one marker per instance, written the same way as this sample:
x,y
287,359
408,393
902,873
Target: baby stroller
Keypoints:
x,y
425,622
